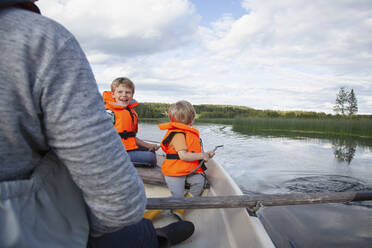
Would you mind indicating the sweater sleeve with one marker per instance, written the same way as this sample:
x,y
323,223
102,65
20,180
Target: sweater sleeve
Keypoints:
x,y
79,131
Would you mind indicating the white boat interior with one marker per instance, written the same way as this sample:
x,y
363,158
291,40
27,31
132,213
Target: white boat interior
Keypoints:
x,y
224,227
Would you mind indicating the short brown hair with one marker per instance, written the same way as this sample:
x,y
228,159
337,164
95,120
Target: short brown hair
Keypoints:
x,y
182,111
122,81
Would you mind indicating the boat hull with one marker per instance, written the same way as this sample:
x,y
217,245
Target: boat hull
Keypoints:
x,y
215,227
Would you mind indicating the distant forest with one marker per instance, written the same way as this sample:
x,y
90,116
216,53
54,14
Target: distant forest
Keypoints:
x,y
210,111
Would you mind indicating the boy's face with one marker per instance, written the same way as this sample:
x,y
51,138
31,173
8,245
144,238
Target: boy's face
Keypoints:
x,y
123,95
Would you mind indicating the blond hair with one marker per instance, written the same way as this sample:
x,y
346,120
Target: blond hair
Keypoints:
x,y
122,81
182,111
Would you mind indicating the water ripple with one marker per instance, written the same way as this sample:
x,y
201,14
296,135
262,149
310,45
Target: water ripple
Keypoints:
x,y
325,183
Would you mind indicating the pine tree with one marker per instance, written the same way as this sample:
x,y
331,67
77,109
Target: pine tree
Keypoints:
x,y
341,101
352,103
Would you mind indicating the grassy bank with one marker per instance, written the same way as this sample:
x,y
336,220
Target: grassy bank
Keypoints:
x,y
346,127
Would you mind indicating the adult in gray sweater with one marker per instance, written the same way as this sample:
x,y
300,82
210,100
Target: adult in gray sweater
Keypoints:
x,y
64,174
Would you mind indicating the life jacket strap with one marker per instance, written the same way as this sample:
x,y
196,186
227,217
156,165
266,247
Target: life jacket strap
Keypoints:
x,y
168,139
131,114
125,135
175,156
172,156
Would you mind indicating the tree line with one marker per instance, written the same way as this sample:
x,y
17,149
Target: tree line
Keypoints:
x,y
211,111
346,106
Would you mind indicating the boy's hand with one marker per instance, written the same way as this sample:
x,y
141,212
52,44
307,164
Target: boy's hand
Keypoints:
x,y
211,153
208,155
153,147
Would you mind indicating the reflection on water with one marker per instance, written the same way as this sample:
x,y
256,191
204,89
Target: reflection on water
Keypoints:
x,y
318,225
344,149
305,163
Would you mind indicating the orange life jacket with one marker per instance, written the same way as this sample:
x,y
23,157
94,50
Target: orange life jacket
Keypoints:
x,y
172,165
125,120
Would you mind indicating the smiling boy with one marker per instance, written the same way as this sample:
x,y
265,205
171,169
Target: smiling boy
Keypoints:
x,y
120,106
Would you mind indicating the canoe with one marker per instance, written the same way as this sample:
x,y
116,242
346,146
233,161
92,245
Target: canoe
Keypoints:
x,y
223,227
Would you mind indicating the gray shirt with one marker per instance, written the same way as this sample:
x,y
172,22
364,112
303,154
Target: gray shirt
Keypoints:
x,y
49,100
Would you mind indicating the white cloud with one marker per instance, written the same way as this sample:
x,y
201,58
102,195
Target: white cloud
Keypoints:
x,y
290,54
314,33
125,27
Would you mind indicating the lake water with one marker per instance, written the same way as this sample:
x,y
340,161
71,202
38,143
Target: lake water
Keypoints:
x,y
269,165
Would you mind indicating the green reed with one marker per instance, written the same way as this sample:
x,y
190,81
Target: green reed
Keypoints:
x,y
347,127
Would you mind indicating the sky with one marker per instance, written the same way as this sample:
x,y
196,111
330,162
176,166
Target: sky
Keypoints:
x,y
279,55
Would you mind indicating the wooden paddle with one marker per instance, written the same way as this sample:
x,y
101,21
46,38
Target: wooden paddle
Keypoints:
x,y
246,201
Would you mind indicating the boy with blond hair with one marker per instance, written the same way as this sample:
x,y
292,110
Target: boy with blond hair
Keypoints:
x,y
183,149
120,106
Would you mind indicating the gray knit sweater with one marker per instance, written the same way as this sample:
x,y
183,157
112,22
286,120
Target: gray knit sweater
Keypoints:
x,y
49,100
